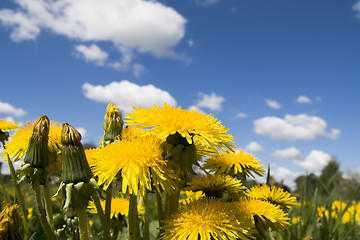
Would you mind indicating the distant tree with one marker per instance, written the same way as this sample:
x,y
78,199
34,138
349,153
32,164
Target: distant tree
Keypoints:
x,y
88,145
306,183
330,177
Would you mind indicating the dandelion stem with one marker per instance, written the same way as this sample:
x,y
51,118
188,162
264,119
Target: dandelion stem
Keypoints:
x,y
134,230
146,218
83,223
18,195
48,205
41,213
101,214
108,202
160,210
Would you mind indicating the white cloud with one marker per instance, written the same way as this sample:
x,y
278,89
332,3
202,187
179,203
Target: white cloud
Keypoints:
x,y
287,153
206,2
356,8
7,108
191,43
319,99
139,25
126,95
82,131
254,147
285,175
315,161
303,99
241,115
91,53
212,102
138,69
196,108
294,127
273,104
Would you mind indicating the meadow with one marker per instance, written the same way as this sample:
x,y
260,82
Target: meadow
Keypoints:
x,y
160,173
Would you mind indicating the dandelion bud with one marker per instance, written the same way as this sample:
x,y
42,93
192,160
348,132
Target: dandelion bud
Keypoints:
x,y
113,123
37,154
9,222
74,164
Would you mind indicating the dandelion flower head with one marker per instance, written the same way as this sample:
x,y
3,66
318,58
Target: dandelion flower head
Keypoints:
x,y
6,125
18,143
238,163
216,185
268,214
205,219
119,207
169,120
273,195
137,156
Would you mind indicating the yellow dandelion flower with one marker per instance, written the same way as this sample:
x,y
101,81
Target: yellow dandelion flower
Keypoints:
x,y
273,195
352,214
216,185
263,214
138,159
169,120
186,196
18,143
119,207
9,222
238,163
6,125
205,219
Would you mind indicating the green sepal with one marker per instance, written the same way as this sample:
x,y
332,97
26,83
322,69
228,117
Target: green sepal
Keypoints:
x,y
33,173
75,167
77,195
37,153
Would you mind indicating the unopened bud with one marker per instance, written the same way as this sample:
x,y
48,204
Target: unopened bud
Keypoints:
x,y
37,153
113,123
75,167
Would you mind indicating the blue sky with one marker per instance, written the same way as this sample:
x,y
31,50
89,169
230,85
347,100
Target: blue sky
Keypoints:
x,y
282,75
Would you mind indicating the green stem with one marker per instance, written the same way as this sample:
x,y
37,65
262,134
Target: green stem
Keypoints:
x,y
48,205
101,214
160,210
108,202
134,230
18,195
173,202
83,223
41,213
146,218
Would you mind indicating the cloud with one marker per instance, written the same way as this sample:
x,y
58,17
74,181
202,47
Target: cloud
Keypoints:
x,y
82,131
356,8
273,104
254,147
206,2
303,99
191,43
285,175
241,115
315,161
196,108
140,25
126,94
287,153
138,69
294,127
91,54
212,102
7,108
